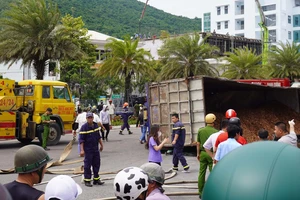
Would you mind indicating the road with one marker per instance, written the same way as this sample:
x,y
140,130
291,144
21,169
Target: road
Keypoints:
x,y
119,152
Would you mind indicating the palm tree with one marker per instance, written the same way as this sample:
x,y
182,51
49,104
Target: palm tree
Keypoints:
x,y
185,56
284,61
125,60
243,63
30,32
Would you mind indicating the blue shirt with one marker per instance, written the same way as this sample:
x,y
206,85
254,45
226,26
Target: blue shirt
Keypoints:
x,y
90,136
226,147
179,129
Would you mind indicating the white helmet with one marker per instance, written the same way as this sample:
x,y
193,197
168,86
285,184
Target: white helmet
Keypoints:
x,y
130,183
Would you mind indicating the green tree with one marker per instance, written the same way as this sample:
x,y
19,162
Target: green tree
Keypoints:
x,y
284,61
78,72
30,31
185,56
126,60
243,63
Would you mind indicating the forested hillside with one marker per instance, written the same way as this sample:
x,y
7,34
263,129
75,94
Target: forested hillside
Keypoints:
x,y
121,17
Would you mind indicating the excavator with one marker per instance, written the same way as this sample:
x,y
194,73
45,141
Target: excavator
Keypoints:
x,y
264,33
142,15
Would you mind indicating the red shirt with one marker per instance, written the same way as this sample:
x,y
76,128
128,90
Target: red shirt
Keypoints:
x,y
224,136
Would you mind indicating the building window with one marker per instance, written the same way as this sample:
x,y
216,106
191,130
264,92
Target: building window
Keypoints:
x,y
296,20
289,19
271,20
218,25
218,10
226,25
242,25
297,3
272,36
52,68
206,22
226,9
269,7
242,9
289,35
296,36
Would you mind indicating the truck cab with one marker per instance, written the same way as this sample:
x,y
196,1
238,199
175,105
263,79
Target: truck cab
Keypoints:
x,y
31,99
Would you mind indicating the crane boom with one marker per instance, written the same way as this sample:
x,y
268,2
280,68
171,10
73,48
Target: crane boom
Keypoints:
x,y
265,34
142,15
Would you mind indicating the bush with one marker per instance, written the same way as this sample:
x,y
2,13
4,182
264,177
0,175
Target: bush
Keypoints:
x,y
117,121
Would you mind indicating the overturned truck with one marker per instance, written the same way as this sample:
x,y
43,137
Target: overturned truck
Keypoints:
x,y
258,106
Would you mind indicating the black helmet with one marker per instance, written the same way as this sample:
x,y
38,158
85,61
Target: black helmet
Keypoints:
x,y
30,158
234,121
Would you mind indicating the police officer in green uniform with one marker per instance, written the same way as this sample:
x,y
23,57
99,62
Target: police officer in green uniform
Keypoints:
x,y
204,159
46,123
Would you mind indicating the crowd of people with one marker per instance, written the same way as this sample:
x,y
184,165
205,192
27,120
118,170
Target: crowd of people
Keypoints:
x,y
137,183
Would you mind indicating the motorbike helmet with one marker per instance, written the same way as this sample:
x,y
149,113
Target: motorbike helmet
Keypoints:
x,y
210,118
130,183
230,113
235,121
155,172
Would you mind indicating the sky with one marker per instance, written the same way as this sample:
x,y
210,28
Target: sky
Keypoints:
x,y
186,8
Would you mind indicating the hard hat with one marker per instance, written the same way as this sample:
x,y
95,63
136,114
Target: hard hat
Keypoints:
x,y
270,168
210,118
30,158
230,113
130,183
155,172
125,104
234,121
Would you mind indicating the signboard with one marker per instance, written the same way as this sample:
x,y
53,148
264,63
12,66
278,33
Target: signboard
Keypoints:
x,y
115,96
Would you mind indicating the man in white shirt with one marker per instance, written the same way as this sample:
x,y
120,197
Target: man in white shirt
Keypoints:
x,y
80,120
284,136
230,144
111,109
209,145
105,121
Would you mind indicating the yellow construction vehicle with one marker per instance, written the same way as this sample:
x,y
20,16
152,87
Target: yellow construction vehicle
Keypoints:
x,y
23,103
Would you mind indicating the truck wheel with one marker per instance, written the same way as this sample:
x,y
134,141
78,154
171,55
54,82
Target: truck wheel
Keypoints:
x,y
25,141
54,134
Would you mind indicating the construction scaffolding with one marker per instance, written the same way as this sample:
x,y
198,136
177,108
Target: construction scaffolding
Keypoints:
x,y
227,43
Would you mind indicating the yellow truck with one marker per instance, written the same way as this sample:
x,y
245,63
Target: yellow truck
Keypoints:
x,y
23,103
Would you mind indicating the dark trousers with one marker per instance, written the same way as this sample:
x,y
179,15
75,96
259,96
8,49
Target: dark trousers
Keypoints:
x,y
125,125
106,126
178,156
91,159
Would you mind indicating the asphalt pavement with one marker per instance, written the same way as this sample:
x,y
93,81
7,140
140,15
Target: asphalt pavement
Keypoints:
x,y
119,152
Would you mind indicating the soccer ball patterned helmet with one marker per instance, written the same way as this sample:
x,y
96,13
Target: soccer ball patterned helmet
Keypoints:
x,y
130,183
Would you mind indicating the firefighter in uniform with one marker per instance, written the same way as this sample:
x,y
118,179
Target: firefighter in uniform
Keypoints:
x,y
89,137
125,114
178,140
30,164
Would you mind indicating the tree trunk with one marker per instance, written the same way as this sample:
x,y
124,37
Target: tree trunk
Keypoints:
x,y
127,87
39,67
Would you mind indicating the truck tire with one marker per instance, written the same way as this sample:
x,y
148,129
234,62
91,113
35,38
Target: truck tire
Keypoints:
x,y
54,135
25,140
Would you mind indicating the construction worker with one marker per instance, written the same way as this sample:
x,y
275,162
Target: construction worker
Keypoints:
x,y
46,123
125,114
178,140
157,178
30,164
131,183
202,156
89,137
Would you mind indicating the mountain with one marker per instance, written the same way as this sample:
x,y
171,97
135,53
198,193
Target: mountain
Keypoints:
x,y
121,17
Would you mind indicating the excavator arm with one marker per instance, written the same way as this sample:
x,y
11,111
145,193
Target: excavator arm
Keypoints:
x,y
264,32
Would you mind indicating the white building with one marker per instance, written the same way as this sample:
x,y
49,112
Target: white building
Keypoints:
x,y
241,18
18,72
